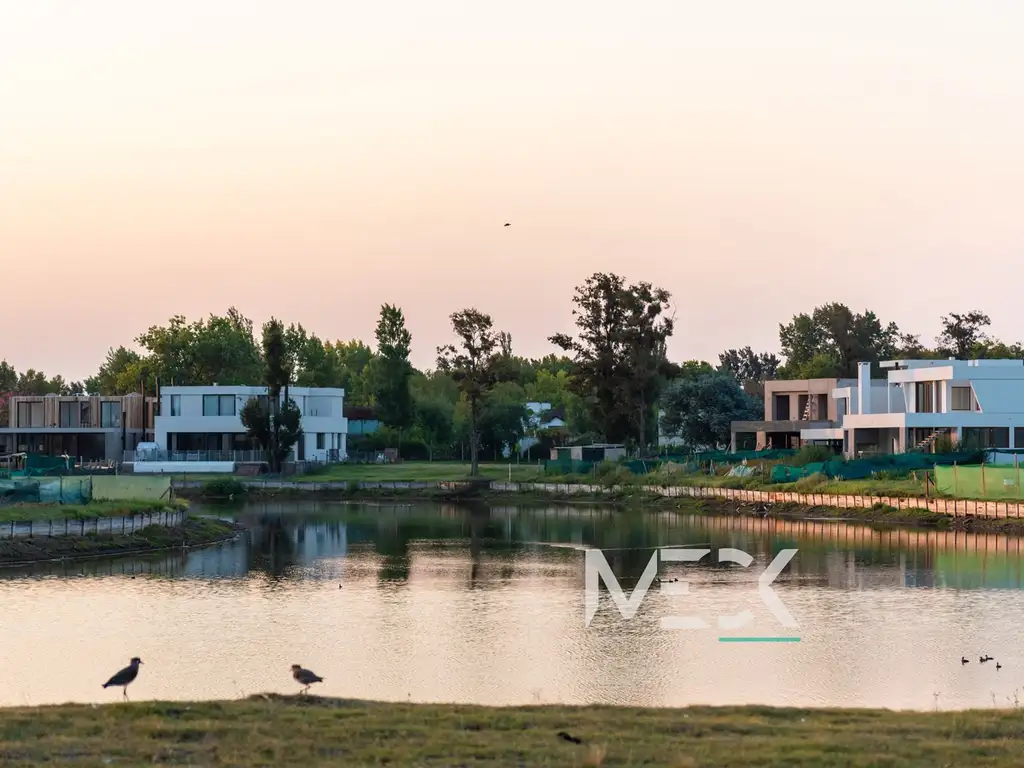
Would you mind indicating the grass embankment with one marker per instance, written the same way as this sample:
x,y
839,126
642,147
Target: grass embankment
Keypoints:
x,y
196,531
419,472
300,731
87,511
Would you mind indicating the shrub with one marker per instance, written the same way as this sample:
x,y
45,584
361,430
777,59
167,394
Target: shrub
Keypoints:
x,y
609,473
223,488
812,454
945,444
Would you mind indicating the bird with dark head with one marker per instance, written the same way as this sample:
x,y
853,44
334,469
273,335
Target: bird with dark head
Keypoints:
x,y
125,677
305,677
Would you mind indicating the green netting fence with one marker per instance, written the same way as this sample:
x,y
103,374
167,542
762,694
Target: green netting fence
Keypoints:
x,y
860,469
980,482
51,490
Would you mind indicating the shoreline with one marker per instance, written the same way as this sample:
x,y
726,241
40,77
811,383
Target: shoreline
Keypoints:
x,y
878,513
195,533
275,730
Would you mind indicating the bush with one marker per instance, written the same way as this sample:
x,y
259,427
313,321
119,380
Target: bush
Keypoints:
x,y
812,454
945,444
609,473
223,488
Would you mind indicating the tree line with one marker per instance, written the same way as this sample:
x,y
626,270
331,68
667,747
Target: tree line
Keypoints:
x,y
610,378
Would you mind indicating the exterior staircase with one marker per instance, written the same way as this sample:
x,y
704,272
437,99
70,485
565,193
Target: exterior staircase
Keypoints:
x,y
807,410
926,444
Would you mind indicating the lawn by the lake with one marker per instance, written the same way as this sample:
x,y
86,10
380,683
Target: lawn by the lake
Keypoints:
x,y
309,731
421,471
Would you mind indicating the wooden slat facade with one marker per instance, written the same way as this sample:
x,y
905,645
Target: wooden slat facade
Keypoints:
x,y
86,412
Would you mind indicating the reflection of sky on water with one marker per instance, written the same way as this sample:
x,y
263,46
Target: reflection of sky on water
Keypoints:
x,y
441,603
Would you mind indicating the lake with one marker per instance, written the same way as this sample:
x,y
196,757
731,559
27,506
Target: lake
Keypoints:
x,y
443,603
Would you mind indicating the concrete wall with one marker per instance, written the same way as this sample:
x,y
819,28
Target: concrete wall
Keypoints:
x,y
794,389
183,467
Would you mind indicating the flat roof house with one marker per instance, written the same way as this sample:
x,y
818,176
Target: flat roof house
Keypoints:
x,y
790,406
91,428
979,403
206,421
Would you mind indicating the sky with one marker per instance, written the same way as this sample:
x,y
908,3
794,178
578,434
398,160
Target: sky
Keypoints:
x,y
314,159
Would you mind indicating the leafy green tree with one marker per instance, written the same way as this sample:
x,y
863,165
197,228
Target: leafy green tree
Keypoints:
x,y
835,333
701,410
434,422
474,364
619,353
393,370
749,367
962,334
271,423
118,375
503,417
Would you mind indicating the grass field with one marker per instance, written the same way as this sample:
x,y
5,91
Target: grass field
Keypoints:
x,y
277,731
26,512
421,471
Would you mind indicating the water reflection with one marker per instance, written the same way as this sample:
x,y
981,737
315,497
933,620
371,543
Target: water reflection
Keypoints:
x,y
449,603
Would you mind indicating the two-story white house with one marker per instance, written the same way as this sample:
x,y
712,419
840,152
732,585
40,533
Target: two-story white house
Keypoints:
x,y
979,403
207,420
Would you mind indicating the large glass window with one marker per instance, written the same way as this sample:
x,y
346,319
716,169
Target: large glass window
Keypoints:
x,y
218,405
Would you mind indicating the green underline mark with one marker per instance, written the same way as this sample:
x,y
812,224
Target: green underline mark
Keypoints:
x,y
759,639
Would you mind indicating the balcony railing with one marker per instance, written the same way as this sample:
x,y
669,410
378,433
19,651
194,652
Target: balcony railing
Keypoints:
x,y
239,457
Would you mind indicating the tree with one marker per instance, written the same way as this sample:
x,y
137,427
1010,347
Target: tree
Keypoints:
x,y
749,367
275,426
474,365
961,334
393,370
834,333
503,417
118,375
619,361
701,410
217,350
434,416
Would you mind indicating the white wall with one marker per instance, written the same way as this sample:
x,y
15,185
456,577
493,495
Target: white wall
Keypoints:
x,y
321,410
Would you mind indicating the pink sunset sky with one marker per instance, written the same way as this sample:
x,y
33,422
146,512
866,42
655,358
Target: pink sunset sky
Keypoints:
x,y
312,160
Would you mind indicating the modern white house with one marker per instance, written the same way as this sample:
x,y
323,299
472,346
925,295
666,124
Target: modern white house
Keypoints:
x,y
539,418
203,425
979,403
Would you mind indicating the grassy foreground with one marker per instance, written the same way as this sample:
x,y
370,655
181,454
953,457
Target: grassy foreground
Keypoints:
x,y
276,731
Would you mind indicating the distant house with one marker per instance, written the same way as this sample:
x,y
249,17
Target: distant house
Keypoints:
x,y
361,420
92,428
540,418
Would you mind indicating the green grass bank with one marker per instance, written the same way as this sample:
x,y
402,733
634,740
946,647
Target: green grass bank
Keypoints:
x,y
301,731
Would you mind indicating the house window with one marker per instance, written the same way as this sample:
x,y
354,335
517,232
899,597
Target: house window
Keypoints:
x,y
320,440
175,405
110,415
68,412
85,417
781,407
218,405
961,400
924,391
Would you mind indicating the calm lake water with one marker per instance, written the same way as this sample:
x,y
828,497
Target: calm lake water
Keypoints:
x,y
452,604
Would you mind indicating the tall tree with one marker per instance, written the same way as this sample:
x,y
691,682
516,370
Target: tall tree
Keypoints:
x,y
833,333
118,374
701,410
394,342
962,333
274,425
474,364
619,353
749,367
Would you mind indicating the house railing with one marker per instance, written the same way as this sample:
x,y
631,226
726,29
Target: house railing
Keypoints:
x,y
239,457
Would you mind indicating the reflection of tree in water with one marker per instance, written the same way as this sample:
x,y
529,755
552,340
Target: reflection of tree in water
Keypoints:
x,y
271,549
392,543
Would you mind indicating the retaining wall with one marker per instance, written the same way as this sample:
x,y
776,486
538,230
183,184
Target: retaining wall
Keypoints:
x,y
110,525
